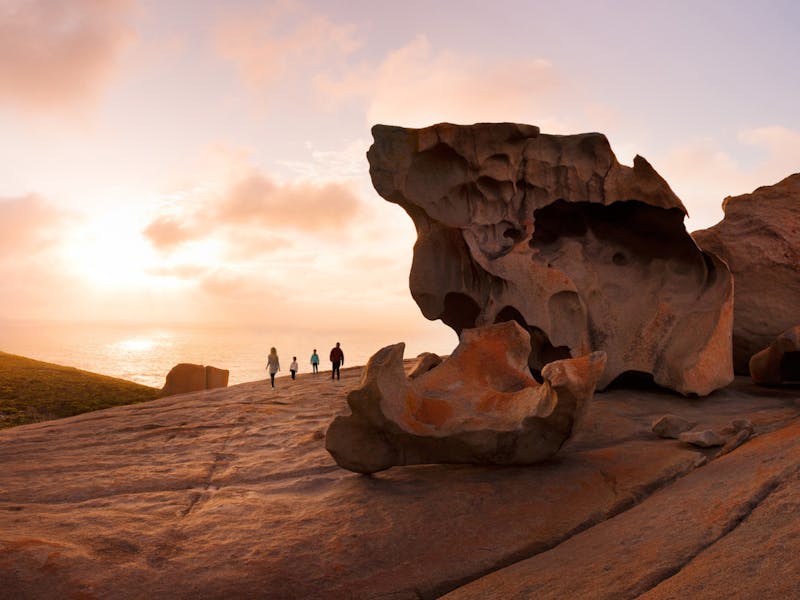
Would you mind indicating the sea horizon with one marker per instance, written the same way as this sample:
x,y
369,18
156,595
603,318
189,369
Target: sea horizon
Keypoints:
x,y
145,352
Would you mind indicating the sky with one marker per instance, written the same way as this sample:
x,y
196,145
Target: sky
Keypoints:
x,y
197,161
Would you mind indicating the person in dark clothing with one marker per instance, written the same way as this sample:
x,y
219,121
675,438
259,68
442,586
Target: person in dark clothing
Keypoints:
x,y
337,360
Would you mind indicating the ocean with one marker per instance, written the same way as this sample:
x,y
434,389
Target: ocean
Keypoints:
x,y
146,353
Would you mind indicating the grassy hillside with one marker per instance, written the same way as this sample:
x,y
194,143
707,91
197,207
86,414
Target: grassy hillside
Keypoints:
x,y
32,391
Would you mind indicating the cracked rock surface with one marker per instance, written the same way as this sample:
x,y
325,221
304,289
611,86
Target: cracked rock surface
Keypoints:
x,y
552,232
230,493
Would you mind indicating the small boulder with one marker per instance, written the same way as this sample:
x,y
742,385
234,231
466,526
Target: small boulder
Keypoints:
x,y
706,438
671,426
216,378
184,378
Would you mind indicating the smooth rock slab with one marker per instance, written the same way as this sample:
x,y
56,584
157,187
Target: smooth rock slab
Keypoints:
x,y
480,406
230,494
720,532
552,232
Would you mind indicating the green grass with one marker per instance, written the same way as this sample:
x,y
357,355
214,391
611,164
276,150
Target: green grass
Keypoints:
x,y
33,391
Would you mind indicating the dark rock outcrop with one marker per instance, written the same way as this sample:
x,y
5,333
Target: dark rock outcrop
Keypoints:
x,y
552,232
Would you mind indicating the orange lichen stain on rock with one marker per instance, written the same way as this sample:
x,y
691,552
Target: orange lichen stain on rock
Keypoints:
x,y
433,411
491,348
493,403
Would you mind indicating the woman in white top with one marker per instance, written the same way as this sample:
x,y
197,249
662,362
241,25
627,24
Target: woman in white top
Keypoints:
x,y
293,366
273,364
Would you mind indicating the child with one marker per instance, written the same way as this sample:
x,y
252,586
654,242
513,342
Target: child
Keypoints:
x,y
293,366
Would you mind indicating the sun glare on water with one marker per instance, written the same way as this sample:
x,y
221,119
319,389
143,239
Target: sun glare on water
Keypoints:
x,y
141,344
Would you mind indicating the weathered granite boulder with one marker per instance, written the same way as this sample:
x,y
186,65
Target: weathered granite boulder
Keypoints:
x,y
480,406
671,426
780,361
759,239
186,377
216,378
552,232
705,438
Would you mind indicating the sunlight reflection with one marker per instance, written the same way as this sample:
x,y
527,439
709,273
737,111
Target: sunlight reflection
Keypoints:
x,y
140,343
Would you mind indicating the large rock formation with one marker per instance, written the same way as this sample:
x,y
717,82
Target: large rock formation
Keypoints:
x,y
759,238
553,233
780,361
479,406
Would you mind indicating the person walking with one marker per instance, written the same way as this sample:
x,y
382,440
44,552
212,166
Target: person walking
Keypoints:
x,y
293,366
337,360
315,361
273,364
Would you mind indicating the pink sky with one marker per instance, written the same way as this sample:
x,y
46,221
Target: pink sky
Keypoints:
x,y
204,161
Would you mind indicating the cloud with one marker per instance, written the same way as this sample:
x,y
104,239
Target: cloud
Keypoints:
x,y
254,213
281,40
704,171
55,54
28,226
31,267
165,232
302,206
782,146
418,85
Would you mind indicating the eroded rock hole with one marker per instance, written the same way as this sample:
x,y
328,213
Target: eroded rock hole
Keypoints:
x,y
790,367
634,380
639,231
460,311
542,350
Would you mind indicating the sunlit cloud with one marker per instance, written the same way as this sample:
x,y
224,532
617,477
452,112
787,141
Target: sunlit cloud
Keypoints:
x,y
28,226
350,161
166,232
703,172
281,40
60,54
302,206
418,85
242,211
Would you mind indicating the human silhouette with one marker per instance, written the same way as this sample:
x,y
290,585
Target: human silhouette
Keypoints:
x,y
293,366
315,361
273,364
337,360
